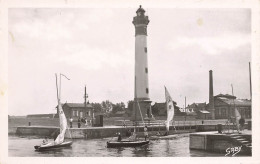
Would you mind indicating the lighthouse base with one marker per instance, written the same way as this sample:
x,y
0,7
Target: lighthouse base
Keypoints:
x,y
142,108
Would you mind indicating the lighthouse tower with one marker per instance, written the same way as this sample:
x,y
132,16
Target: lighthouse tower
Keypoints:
x,y
140,22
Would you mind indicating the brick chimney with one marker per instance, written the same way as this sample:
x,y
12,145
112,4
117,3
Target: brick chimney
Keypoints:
x,y
211,96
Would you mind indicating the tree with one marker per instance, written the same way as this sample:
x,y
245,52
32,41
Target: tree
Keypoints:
x,y
118,107
97,107
130,105
106,106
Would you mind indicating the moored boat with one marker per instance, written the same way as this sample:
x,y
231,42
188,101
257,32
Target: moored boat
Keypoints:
x,y
53,146
126,143
59,140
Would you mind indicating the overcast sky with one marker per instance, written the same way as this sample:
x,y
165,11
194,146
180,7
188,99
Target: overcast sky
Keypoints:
x,y
96,47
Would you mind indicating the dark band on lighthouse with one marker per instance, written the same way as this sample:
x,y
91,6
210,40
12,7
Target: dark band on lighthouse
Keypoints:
x,y
140,21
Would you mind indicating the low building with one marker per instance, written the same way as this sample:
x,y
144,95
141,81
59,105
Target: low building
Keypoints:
x,y
160,109
199,109
77,110
224,106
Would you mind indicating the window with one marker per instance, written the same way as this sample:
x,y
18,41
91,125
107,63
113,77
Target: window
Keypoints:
x,y
223,112
147,90
145,49
219,112
77,113
81,114
146,70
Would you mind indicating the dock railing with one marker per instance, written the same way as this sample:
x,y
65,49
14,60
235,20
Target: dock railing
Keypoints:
x,y
173,123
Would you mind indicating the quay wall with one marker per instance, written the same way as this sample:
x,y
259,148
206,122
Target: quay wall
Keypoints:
x,y
109,131
219,143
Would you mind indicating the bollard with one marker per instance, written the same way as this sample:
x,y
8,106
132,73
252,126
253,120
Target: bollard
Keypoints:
x,y
219,128
249,125
29,123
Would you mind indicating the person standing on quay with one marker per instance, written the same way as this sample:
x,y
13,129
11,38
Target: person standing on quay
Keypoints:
x,y
145,133
86,121
241,123
71,120
79,123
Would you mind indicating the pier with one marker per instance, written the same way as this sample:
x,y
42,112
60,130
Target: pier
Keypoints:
x,y
222,143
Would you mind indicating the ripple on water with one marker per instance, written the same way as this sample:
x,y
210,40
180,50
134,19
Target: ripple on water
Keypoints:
x,y
177,147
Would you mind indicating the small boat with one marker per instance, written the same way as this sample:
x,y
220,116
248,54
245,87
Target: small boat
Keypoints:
x,y
59,141
53,146
131,141
126,143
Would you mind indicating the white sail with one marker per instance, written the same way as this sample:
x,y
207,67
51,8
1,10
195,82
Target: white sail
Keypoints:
x,y
62,118
170,109
237,118
63,125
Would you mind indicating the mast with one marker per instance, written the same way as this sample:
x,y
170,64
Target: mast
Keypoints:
x,y
250,81
85,100
185,104
57,87
135,102
233,95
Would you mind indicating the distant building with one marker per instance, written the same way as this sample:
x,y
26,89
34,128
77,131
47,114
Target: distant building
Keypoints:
x,y
161,108
199,110
76,110
224,106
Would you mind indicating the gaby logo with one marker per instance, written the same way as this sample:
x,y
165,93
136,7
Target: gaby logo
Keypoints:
x,y
233,150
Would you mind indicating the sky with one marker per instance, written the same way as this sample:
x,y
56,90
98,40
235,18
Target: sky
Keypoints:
x,y
95,47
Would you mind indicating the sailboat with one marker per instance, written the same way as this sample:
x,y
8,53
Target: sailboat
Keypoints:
x,y
170,115
59,141
131,141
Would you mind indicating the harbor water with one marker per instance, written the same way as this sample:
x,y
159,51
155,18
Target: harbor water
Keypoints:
x,y
176,147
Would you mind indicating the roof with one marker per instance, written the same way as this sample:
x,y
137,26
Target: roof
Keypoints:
x,y
78,105
204,111
140,9
197,105
162,105
226,96
238,102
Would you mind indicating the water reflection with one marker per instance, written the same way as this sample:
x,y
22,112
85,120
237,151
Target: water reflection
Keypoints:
x,y
177,147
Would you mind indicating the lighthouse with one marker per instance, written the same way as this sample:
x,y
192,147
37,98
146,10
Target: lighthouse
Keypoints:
x,y
142,105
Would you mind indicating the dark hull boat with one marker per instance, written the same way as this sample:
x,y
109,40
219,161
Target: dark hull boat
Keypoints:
x,y
52,146
113,144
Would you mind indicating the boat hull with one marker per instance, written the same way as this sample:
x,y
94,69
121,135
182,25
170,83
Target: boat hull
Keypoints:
x,y
51,147
113,144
